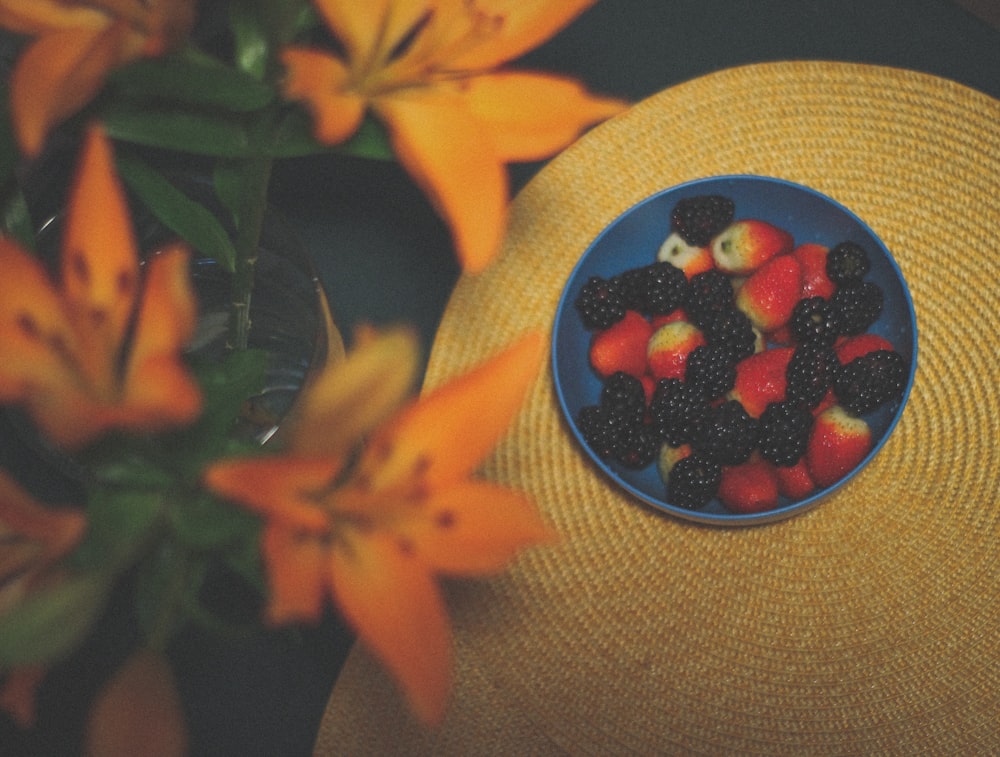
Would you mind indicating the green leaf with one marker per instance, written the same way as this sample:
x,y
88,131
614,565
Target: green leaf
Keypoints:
x,y
250,40
371,140
226,385
292,137
17,221
194,79
203,523
188,218
164,579
51,622
187,131
261,27
126,471
120,523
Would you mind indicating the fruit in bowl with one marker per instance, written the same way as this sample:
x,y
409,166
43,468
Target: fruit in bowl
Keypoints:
x,y
744,386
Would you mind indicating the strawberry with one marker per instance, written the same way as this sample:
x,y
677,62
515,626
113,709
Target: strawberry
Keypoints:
x,y
769,295
621,346
794,481
782,335
648,386
663,320
669,347
690,259
815,282
839,441
826,402
851,347
760,379
746,245
751,487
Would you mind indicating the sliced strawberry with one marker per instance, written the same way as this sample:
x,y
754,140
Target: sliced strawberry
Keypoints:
x,y
839,441
751,487
852,347
648,386
669,347
622,346
769,295
662,320
794,481
745,245
815,282
760,379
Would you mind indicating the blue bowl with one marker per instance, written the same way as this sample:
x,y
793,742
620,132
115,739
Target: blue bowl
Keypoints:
x,y
633,239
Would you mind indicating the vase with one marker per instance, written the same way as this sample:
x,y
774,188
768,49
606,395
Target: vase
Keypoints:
x,y
290,316
292,325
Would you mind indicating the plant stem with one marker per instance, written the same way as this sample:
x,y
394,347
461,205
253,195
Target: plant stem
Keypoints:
x,y
256,174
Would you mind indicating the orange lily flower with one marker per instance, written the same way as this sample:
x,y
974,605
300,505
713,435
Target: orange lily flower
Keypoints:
x,y
429,71
32,538
78,42
375,535
102,349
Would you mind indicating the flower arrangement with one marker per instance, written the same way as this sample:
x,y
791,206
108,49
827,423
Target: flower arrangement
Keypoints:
x,y
368,494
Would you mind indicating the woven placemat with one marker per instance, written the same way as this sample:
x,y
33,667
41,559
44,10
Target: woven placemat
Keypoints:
x,y
870,625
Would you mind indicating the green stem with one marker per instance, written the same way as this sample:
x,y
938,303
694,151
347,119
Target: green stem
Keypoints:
x,y
165,621
256,174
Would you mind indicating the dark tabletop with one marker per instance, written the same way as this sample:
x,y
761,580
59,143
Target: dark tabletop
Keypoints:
x,y
385,257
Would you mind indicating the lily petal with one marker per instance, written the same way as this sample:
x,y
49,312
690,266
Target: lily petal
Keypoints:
x,y
57,530
100,264
447,433
280,488
371,30
58,74
396,609
157,383
321,82
33,327
523,25
18,694
38,16
138,710
531,116
453,161
357,394
298,575
475,528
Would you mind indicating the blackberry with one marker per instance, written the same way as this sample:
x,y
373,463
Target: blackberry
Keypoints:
x,y
732,331
623,397
856,308
599,430
693,482
600,303
636,446
676,410
709,294
666,288
810,373
711,369
784,432
813,321
631,286
698,219
871,380
728,434
847,263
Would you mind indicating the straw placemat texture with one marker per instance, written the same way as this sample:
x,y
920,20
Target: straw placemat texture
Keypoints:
x,y
870,625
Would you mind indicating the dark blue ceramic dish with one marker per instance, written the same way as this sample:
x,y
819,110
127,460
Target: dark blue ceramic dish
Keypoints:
x,y
633,240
